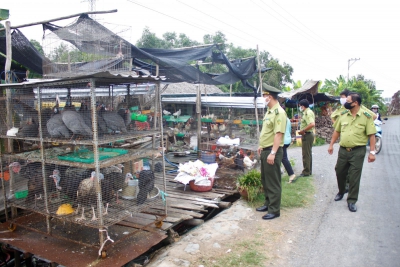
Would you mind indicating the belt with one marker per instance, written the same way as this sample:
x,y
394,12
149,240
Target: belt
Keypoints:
x,y
267,148
348,149
308,132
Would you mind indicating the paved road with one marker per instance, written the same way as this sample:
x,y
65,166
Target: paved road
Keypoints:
x,y
330,235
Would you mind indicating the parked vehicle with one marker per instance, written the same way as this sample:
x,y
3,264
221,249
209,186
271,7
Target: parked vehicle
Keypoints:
x,y
378,136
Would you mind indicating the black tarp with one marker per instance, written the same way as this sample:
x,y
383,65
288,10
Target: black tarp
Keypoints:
x,y
23,51
175,64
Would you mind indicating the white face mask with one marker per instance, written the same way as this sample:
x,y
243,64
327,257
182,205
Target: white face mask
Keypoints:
x,y
267,102
301,109
343,100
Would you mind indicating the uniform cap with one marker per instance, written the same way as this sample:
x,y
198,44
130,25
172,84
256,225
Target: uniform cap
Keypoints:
x,y
268,89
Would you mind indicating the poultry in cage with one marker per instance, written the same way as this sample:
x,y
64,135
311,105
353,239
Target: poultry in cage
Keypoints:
x,y
86,194
113,120
146,185
125,113
28,128
87,117
75,122
55,125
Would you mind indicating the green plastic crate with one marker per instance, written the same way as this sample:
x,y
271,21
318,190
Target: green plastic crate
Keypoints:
x,y
87,156
21,194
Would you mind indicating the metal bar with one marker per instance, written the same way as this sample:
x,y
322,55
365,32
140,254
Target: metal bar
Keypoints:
x,y
42,160
96,156
163,152
62,18
198,111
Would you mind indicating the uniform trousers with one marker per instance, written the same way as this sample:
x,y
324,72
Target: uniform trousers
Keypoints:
x,y
271,180
307,141
349,165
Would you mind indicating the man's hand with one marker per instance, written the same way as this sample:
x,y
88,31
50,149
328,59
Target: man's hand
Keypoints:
x,y
330,149
301,132
371,158
259,149
271,159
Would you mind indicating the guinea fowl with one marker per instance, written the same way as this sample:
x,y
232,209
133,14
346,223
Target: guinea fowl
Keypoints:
x,y
125,113
87,117
55,125
74,121
146,185
113,120
29,128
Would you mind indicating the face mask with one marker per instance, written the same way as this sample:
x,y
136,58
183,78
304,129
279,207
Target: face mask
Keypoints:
x,y
343,101
301,109
348,105
267,101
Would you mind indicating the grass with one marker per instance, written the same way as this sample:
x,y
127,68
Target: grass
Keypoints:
x,y
245,253
294,195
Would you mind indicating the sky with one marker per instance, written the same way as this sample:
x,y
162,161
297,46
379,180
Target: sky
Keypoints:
x,y
317,38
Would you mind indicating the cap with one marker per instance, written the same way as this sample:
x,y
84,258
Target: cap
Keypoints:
x,y
268,89
375,106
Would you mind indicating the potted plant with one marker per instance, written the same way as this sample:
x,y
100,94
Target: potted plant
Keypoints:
x,y
249,184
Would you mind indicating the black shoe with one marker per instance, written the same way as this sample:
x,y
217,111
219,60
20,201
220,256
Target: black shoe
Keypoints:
x,y
338,197
262,208
303,175
271,216
352,207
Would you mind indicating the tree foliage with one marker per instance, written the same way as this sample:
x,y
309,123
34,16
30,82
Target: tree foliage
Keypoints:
x,y
37,45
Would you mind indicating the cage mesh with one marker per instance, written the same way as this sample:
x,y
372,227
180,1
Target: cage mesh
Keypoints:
x,y
58,176
84,48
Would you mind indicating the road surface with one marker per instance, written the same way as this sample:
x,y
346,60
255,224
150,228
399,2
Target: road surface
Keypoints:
x,y
330,235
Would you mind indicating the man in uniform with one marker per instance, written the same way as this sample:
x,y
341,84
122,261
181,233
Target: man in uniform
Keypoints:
x,y
343,97
270,149
307,125
354,127
337,113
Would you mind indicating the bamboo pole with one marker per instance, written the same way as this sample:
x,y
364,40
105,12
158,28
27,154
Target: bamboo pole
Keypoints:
x,y
260,87
198,111
62,18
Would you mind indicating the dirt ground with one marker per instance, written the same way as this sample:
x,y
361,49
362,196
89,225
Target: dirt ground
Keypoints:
x,y
231,233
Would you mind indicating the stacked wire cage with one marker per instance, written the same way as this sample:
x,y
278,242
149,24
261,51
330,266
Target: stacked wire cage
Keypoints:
x,y
71,159
85,47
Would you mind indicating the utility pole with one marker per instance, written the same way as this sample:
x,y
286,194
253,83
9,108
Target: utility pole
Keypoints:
x,y
349,65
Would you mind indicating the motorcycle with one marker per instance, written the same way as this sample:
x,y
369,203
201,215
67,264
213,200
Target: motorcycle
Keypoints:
x,y
378,136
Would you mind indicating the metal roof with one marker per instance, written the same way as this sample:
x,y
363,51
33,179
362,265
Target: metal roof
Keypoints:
x,y
106,77
309,87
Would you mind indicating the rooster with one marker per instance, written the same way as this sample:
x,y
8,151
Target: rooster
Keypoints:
x,y
222,128
248,163
229,162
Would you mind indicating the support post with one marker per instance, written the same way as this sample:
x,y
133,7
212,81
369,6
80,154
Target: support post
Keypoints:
x,y
198,111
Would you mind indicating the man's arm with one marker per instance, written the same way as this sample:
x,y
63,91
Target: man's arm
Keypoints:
x,y
277,141
308,127
371,158
335,137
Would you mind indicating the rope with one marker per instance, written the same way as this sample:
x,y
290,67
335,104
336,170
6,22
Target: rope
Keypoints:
x,y
163,195
108,238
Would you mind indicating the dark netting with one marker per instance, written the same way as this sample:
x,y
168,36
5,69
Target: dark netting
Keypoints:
x,y
23,51
175,64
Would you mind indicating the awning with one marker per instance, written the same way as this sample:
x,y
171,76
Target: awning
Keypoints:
x,y
217,101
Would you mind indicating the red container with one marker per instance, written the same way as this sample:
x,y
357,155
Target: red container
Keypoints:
x,y
201,188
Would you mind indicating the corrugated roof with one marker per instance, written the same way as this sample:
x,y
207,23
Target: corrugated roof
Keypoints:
x,y
218,101
190,88
118,78
309,87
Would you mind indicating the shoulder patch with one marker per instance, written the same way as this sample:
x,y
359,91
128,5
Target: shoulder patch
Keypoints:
x,y
367,114
344,112
276,111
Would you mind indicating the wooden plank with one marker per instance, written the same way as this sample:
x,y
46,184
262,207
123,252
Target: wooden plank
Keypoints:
x,y
184,212
142,221
187,206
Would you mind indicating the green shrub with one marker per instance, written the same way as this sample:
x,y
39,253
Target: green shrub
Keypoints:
x,y
250,182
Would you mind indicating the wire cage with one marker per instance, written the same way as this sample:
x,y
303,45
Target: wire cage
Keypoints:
x,y
85,47
76,157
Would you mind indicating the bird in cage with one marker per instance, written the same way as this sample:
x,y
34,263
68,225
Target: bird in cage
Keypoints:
x,y
146,185
28,128
113,120
86,193
87,117
56,178
166,112
177,114
74,121
125,113
55,125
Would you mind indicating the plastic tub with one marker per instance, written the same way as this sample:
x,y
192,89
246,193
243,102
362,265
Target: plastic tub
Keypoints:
x,y
208,157
21,194
201,188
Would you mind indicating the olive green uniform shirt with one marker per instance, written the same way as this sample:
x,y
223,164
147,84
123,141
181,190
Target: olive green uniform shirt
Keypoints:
x,y
307,117
274,122
335,115
354,131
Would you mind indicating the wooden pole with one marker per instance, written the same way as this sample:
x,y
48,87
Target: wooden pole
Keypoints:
x,y
198,111
259,88
62,18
